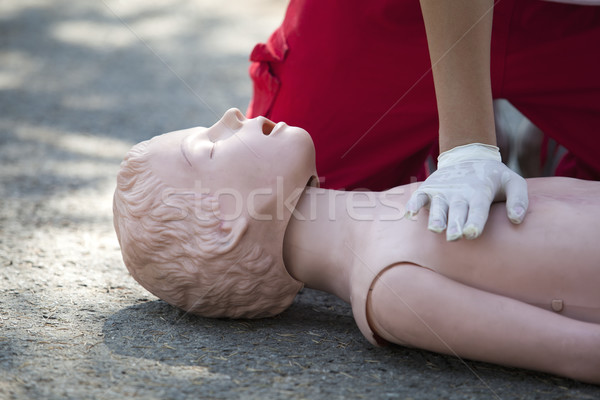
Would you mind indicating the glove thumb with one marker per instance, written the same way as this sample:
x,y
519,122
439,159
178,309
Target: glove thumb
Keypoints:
x,y
517,200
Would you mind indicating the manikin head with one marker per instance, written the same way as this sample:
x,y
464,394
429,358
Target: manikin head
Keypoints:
x,y
201,213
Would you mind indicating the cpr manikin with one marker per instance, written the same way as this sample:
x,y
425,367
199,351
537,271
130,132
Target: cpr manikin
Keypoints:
x,y
226,221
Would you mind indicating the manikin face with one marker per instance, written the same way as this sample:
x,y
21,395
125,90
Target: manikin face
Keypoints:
x,y
252,166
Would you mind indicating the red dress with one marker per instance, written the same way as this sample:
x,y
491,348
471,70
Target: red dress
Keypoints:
x,y
356,75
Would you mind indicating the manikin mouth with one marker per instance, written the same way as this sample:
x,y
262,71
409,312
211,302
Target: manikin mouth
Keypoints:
x,y
267,127
313,181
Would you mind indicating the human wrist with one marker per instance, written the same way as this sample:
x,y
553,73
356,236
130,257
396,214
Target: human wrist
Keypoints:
x,y
469,152
452,137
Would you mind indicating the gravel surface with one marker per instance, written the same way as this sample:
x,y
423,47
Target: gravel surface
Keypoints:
x,y
80,82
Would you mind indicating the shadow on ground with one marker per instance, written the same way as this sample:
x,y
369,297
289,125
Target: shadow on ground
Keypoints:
x,y
313,349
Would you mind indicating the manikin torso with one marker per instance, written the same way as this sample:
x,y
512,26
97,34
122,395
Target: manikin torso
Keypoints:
x,y
344,253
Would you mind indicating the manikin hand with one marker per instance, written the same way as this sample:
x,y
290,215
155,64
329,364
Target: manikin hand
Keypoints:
x,y
459,194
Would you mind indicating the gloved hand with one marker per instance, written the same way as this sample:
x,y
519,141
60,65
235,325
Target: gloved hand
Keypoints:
x,y
459,194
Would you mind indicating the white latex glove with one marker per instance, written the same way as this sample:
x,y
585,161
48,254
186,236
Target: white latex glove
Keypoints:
x,y
459,194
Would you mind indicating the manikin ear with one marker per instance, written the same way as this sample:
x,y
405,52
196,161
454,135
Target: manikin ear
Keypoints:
x,y
230,233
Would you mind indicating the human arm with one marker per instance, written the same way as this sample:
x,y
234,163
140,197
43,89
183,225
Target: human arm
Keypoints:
x,y
414,306
470,177
459,39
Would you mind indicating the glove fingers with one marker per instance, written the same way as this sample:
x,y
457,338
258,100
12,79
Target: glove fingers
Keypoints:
x,y
479,210
457,215
438,213
517,200
417,201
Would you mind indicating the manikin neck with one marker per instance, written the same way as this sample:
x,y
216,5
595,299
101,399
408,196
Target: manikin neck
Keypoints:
x,y
326,235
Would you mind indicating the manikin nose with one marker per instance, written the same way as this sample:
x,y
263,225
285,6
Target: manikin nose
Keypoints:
x,y
230,122
233,119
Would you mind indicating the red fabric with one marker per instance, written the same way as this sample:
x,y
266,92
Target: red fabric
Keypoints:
x,y
576,168
551,76
356,75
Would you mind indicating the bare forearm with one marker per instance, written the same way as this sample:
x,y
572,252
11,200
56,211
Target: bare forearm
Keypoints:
x,y
459,38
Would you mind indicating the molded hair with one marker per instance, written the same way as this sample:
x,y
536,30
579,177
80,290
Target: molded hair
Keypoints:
x,y
174,244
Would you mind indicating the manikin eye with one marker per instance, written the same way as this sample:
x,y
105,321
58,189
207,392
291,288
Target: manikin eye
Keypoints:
x,y
267,127
212,150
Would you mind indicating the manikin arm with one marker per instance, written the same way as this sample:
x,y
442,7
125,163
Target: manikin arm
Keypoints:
x,y
414,306
470,173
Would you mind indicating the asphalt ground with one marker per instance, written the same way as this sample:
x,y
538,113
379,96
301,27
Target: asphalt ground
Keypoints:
x,y
82,81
